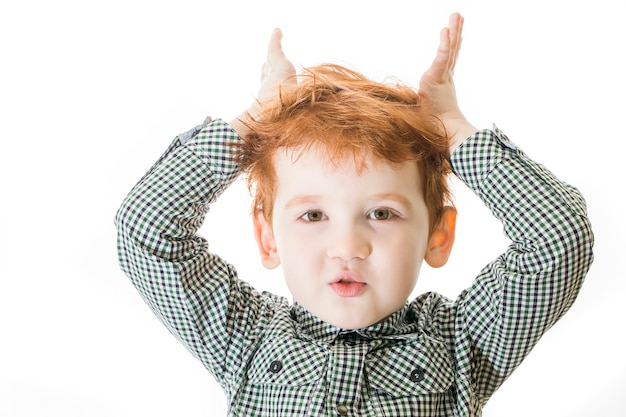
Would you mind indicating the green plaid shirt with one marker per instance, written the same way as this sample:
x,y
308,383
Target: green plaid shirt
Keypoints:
x,y
434,357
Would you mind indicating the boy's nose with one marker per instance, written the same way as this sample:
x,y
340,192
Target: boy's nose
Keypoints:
x,y
349,245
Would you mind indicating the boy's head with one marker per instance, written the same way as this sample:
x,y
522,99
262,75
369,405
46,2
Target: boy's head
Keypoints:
x,y
349,183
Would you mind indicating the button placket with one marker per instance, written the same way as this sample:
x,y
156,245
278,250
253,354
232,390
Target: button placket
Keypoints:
x,y
346,366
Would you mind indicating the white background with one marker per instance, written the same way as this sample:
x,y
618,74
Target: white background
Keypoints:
x,y
92,92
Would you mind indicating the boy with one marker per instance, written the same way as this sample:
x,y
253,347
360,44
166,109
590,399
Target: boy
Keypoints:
x,y
350,195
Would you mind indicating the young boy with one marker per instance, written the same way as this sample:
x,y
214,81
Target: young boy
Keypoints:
x,y
350,191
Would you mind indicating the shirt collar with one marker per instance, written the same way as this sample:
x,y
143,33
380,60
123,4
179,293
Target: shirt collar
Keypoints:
x,y
398,325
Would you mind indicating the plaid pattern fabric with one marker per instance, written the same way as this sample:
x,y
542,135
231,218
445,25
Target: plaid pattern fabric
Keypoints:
x,y
434,357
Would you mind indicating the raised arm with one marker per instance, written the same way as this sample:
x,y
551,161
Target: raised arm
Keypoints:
x,y
186,286
197,295
522,293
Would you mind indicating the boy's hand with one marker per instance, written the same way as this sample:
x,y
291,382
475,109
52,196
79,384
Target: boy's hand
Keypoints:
x,y
437,82
276,70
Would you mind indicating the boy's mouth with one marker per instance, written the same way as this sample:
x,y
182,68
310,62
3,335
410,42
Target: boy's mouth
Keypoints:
x,y
347,276
348,284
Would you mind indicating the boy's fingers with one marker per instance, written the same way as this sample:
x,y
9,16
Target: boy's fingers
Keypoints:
x,y
275,48
274,53
456,30
277,68
440,64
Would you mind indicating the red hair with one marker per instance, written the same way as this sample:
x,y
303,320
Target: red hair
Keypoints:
x,y
349,116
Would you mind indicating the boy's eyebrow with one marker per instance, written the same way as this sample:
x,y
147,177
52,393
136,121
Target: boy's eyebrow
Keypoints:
x,y
302,199
312,198
394,197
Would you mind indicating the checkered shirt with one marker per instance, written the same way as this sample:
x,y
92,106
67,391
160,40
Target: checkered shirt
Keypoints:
x,y
434,357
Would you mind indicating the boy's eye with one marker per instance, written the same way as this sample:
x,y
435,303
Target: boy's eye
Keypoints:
x,y
313,216
380,214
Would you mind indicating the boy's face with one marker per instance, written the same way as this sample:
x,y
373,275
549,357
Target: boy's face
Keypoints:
x,y
351,244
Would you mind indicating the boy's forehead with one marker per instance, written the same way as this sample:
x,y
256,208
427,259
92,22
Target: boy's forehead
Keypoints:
x,y
322,157
299,169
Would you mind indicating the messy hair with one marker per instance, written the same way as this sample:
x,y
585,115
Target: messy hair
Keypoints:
x,y
341,112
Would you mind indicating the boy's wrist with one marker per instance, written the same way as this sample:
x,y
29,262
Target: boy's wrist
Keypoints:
x,y
238,126
239,123
459,130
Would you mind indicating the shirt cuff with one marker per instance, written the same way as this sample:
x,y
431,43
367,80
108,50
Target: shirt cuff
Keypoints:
x,y
477,156
185,136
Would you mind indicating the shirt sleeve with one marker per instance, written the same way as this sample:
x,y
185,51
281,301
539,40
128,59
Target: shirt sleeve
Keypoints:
x,y
194,293
522,293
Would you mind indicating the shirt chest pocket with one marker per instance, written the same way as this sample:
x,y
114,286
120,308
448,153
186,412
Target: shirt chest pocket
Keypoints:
x,y
411,374
283,380
287,362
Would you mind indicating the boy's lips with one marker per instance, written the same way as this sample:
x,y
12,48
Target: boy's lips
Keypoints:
x,y
347,276
348,284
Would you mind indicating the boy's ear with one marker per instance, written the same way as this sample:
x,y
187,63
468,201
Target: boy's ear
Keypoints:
x,y
264,236
441,239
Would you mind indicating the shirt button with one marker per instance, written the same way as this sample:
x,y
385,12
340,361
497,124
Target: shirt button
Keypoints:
x,y
276,366
342,409
417,375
